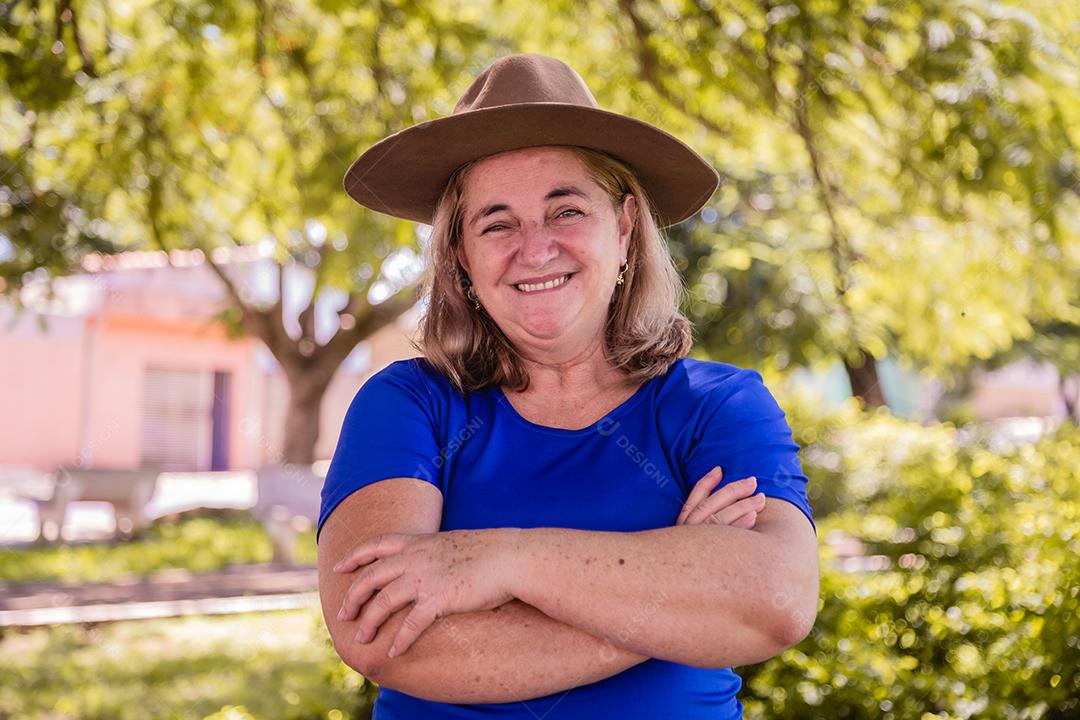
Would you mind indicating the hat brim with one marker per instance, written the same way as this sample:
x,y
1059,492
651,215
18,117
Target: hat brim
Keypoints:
x,y
404,174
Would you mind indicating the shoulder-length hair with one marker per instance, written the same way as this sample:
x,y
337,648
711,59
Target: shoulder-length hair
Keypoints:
x,y
645,331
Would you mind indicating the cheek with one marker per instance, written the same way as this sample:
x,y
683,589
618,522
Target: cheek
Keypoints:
x,y
491,267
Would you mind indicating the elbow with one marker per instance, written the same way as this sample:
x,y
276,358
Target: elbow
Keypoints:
x,y
368,659
371,660
795,628
360,657
796,613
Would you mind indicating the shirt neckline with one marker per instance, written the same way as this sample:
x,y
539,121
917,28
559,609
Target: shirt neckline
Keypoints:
x,y
602,426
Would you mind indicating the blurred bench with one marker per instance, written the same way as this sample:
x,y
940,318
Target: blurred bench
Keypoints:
x,y
285,499
128,491
274,495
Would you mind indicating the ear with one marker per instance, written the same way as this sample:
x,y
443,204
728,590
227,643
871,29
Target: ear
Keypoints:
x,y
626,217
464,261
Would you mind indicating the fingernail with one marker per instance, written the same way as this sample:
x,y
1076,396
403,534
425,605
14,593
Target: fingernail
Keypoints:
x,y
361,636
341,614
392,651
337,568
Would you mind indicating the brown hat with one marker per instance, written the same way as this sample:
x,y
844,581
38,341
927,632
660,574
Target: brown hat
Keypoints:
x,y
523,101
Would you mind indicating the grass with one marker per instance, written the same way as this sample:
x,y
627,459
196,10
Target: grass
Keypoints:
x,y
277,665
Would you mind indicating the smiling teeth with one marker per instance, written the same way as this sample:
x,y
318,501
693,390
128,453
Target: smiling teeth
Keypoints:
x,y
543,286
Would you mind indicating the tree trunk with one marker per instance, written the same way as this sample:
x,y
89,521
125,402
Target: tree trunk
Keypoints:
x,y
864,381
1070,398
302,418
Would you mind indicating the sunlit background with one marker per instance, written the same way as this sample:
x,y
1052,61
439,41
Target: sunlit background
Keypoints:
x,y
189,301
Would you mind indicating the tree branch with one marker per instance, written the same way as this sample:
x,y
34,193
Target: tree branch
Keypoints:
x,y
651,70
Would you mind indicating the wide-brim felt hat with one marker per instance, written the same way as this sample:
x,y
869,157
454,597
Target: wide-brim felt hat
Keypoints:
x,y
519,101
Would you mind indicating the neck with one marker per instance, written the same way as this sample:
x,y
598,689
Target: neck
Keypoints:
x,y
583,372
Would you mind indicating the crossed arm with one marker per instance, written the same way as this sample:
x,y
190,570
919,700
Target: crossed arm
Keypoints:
x,y
735,596
513,652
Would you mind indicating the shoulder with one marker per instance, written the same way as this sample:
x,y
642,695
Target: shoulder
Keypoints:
x,y
708,380
414,381
411,379
410,372
702,393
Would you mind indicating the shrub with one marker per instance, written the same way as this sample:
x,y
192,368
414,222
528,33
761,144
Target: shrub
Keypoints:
x,y
199,541
977,610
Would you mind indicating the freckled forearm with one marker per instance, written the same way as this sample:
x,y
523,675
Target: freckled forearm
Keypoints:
x,y
690,594
512,653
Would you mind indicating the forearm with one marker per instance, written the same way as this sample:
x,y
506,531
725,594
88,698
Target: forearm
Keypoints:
x,y
701,595
511,653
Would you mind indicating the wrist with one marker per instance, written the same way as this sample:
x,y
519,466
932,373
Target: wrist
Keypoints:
x,y
513,557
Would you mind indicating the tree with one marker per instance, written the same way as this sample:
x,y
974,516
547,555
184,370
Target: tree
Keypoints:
x,y
194,124
897,177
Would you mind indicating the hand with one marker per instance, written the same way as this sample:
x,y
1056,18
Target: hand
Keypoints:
x,y
443,573
728,506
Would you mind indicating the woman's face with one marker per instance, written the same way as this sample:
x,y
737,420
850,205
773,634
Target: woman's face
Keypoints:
x,y
532,216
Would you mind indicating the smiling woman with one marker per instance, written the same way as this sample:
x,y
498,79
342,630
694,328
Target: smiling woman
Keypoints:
x,y
548,213
498,512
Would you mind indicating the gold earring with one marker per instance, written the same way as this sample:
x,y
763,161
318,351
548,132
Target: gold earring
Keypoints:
x,y
471,294
622,269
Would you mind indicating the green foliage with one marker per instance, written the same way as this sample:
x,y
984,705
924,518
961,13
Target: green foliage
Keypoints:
x,y
855,138
977,610
897,177
196,125
910,188
197,543
305,551
269,666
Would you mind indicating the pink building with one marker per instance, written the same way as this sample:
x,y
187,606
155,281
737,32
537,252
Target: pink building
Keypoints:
x,y
126,366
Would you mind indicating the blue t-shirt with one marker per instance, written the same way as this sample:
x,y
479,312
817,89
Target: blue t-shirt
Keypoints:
x,y
631,470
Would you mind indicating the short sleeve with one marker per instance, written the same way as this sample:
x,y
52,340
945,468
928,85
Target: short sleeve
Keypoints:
x,y
389,431
745,432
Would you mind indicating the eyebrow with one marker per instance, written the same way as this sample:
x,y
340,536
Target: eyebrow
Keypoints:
x,y
561,191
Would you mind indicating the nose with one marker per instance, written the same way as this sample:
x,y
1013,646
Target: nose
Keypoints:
x,y
537,245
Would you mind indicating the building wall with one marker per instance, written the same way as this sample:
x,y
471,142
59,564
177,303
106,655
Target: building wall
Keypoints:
x,y
41,389
125,347
74,389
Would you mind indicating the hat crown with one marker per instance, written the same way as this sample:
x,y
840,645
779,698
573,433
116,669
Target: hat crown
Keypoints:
x,y
525,78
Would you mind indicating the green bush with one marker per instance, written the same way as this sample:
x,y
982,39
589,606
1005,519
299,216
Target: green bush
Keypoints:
x,y
977,612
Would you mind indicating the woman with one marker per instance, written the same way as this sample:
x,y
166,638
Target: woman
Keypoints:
x,y
521,522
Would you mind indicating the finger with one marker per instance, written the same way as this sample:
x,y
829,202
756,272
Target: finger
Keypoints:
x,y
371,549
725,510
747,521
700,491
724,496
388,601
371,578
417,621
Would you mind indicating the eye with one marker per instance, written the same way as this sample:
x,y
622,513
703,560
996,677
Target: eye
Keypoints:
x,y
573,210
493,227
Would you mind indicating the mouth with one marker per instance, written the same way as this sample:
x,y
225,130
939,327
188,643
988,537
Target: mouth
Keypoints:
x,y
539,288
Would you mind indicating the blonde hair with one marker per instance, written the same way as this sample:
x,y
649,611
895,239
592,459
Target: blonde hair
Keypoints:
x,y
645,331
